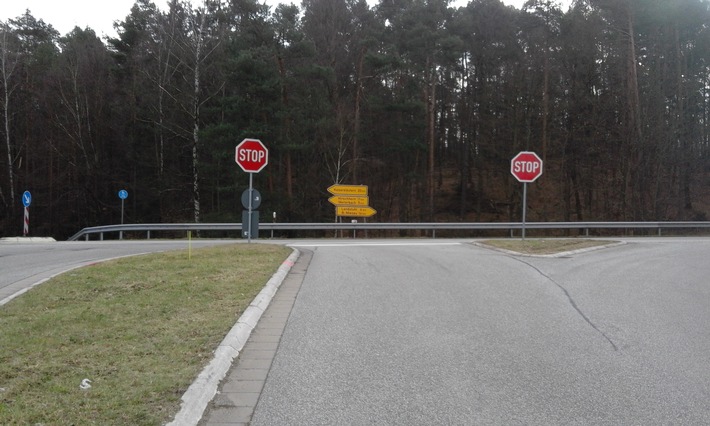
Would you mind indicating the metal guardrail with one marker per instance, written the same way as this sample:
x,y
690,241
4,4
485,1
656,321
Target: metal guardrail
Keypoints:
x,y
432,226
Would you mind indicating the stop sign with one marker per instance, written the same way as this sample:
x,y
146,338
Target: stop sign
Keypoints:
x,y
526,166
251,155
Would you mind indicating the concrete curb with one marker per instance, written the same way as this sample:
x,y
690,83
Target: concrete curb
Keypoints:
x,y
27,240
204,388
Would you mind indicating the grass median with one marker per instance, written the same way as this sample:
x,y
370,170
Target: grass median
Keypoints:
x,y
544,247
140,329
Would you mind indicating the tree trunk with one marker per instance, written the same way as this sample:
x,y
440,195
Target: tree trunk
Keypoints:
x,y
6,72
545,101
356,124
196,116
634,135
430,98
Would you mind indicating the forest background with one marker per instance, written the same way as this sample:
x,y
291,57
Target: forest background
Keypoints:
x,y
423,102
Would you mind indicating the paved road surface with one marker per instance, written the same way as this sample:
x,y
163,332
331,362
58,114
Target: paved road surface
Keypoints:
x,y
450,333
457,334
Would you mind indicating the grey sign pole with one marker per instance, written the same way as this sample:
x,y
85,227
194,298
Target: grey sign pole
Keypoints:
x,y
251,191
122,194
252,156
525,204
251,200
526,167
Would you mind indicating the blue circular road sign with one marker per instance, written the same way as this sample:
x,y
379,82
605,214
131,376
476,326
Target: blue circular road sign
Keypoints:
x,y
123,194
26,198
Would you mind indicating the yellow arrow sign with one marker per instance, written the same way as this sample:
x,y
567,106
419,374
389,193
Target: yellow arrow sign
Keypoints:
x,y
355,211
349,200
348,189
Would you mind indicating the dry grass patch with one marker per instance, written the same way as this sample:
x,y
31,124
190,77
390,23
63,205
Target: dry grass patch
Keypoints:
x,y
536,246
140,328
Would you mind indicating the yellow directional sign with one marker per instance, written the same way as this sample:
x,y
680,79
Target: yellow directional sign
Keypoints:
x,y
348,189
349,200
355,211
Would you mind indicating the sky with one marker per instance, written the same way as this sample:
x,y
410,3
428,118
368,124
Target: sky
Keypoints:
x,y
64,15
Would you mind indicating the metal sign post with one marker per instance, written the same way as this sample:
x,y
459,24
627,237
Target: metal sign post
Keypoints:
x,y
26,222
252,156
251,204
26,201
122,194
526,167
525,205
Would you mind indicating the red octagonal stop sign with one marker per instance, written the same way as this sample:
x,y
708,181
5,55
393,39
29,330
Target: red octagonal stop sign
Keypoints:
x,y
251,155
526,166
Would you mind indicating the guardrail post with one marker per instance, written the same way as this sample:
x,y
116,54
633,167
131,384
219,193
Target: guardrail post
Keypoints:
x,y
148,234
659,231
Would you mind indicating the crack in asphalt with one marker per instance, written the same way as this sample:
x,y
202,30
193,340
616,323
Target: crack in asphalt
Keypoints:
x,y
571,302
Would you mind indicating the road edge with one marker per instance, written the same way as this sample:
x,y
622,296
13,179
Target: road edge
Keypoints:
x,y
201,392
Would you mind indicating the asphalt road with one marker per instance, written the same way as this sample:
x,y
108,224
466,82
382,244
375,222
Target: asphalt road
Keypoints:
x,y
444,332
23,264
457,334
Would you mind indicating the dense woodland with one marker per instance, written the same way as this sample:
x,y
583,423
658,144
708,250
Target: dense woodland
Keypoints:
x,y
423,102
